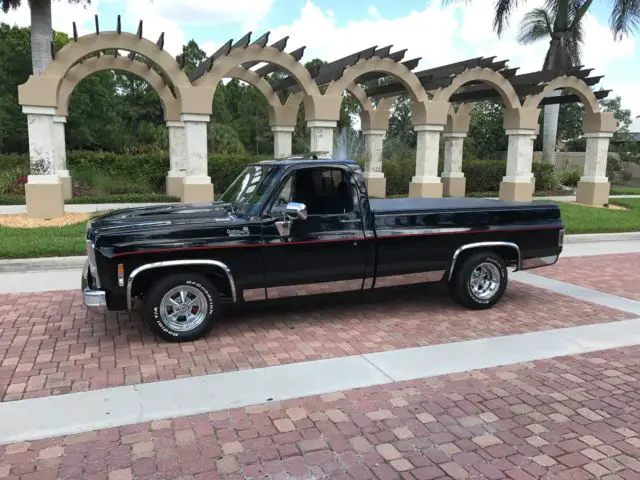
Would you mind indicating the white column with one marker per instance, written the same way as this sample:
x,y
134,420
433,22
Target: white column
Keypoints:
x,y
60,145
60,154
453,181
595,159
322,136
176,149
453,147
42,150
593,187
427,152
177,159
426,182
195,148
196,183
518,183
282,141
373,143
373,176
519,156
43,191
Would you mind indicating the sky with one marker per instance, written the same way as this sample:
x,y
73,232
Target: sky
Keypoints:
x,y
331,29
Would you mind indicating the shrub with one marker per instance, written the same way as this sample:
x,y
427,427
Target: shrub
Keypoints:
x,y
484,175
546,178
570,177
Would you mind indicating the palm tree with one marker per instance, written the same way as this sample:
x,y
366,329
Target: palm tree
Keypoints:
x,y
41,30
561,20
564,52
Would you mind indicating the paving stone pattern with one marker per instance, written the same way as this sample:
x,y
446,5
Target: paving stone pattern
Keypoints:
x,y
616,274
50,344
566,418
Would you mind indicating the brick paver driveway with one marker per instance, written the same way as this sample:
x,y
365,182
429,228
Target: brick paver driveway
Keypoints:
x,y
50,344
617,274
566,418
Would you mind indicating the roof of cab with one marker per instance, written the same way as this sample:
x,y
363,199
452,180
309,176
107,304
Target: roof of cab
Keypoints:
x,y
302,161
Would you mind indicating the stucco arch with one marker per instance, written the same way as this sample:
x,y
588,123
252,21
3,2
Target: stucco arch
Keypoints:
x,y
71,53
575,85
255,80
170,105
458,120
42,90
358,92
385,65
480,74
256,53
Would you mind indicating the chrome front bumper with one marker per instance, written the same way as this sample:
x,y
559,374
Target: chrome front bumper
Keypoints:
x,y
92,298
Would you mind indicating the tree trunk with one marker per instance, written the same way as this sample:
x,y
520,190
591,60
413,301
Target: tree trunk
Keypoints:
x,y
41,35
557,58
550,131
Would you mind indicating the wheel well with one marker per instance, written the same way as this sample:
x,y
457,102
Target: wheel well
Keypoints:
x,y
509,254
146,278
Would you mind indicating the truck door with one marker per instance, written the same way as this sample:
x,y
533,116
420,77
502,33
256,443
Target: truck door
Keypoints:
x,y
326,251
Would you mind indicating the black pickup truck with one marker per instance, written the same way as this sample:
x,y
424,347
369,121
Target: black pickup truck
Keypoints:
x,y
296,227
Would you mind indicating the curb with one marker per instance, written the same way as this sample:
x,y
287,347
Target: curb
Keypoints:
x,y
23,265
602,237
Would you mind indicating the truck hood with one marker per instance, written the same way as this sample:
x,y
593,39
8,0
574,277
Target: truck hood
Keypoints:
x,y
164,215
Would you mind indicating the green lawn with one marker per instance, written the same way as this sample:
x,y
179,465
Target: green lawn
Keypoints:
x,y
624,190
69,240
43,241
581,219
125,198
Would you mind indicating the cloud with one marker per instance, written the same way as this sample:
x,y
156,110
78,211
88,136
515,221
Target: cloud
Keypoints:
x,y
427,33
248,14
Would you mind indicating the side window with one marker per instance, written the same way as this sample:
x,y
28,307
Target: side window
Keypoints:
x,y
324,190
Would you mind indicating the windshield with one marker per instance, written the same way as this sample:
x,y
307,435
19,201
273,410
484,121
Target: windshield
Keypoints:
x,y
248,189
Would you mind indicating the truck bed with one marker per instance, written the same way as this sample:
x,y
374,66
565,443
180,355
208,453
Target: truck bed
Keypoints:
x,y
416,205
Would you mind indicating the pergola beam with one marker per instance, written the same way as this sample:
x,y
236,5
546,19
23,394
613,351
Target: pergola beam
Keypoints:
x,y
329,71
243,42
272,67
262,41
205,66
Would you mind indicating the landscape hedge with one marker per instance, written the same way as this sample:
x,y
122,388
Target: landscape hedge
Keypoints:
x,y
151,169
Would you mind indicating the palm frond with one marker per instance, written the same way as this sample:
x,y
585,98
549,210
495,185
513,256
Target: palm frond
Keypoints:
x,y
503,8
535,25
625,17
6,5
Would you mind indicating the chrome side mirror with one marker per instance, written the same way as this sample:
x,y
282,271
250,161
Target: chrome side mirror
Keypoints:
x,y
296,211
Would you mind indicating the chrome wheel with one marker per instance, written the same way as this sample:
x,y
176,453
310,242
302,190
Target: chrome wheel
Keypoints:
x,y
183,308
485,281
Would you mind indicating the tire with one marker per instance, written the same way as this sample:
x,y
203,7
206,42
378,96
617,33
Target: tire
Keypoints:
x,y
163,316
477,294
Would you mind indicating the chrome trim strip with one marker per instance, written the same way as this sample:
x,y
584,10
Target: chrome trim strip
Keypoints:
x,y
254,295
433,276
314,288
538,262
484,245
419,231
367,283
174,263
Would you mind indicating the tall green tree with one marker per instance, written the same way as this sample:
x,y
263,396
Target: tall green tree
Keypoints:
x,y
41,30
560,20
563,53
